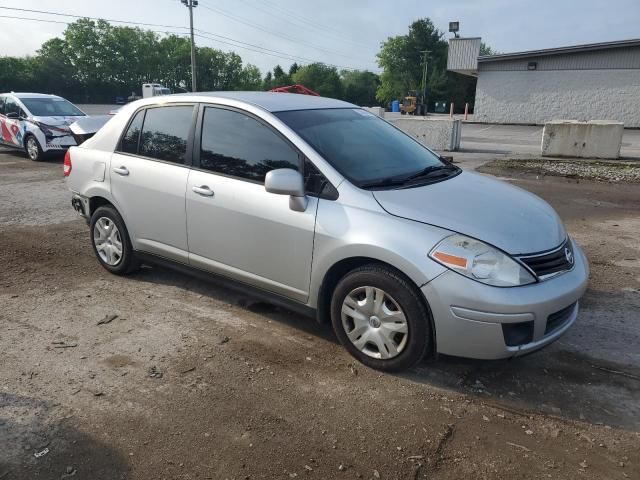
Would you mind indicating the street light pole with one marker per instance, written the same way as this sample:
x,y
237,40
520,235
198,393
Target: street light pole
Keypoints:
x,y
425,57
191,4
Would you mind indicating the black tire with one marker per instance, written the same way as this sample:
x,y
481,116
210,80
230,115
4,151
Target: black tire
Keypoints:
x,y
36,155
402,112
127,262
408,298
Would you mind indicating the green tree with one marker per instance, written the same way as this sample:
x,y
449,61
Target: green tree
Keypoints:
x,y
218,70
267,83
280,78
402,61
16,74
54,70
250,78
487,50
320,77
173,68
360,87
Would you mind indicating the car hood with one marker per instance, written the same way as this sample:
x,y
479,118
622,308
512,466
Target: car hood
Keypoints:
x,y
493,211
57,121
89,125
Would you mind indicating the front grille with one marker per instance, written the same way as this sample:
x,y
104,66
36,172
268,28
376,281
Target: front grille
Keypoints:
x,y
556,320
557,260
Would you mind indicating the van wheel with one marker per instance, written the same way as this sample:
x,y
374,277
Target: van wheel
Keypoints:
x,y
110,241
379,317
33,149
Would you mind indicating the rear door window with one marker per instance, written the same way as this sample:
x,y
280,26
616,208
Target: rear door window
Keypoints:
x,y
165,133
129,142
240,146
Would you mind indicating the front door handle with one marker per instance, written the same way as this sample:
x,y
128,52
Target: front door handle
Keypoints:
x,y
121,171
203,190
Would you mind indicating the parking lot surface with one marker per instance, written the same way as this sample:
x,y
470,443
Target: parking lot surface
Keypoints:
x,y
160,375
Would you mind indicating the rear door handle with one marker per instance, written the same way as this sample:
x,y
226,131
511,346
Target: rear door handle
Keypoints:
x,y
121,171
203,190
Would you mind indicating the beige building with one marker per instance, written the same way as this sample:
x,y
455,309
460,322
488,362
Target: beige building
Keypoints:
x,y
599,81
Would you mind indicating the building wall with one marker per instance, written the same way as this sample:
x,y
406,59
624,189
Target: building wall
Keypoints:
x,y
462,55
534,97
608,59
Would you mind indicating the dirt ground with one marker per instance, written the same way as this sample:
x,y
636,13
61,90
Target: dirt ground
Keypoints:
x,y
193,381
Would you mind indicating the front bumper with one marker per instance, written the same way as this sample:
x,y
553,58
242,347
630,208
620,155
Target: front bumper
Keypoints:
x,y
59,143
473,320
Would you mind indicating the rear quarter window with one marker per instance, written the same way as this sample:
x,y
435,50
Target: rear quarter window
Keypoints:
x,y
129,142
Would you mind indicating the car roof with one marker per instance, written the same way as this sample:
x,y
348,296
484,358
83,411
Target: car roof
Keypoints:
x,y
272,101
31,95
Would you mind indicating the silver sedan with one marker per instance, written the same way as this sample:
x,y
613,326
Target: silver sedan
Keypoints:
x,y
331,211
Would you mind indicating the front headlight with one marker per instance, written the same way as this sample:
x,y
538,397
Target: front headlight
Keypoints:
x,y
479,261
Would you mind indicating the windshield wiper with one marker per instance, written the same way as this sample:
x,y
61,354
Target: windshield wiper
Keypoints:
x,y
431,171
385,182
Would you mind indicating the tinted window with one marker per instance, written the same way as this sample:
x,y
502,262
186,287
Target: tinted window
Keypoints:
x,y
51,107
1,105
129,143
11,106
165,133
360,145
238,145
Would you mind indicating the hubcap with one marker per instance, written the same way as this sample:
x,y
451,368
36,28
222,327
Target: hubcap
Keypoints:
x,y
374,322
106,238
32,148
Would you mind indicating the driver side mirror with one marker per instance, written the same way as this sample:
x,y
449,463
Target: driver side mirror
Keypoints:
x,y
287,181
13,115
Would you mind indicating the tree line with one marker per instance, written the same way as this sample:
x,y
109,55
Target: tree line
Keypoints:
x,y
94,61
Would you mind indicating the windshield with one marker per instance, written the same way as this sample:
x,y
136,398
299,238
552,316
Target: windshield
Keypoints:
x,y
51,107
360,145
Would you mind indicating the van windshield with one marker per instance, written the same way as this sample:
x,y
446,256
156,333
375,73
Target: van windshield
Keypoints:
x,y
364,148
51,107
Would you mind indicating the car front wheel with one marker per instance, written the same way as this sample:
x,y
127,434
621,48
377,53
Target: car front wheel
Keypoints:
x,y
33,149
379,317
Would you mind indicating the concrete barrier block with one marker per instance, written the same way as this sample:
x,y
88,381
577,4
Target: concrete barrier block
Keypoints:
x,y
379,111
436,133
592,139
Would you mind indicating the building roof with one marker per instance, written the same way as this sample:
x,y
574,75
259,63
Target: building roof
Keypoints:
x,y
272,101
589,47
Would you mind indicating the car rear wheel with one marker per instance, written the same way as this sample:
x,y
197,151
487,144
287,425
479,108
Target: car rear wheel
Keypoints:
x,y
111,243
380,318
33,149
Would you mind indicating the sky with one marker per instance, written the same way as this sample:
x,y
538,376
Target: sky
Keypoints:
x,y
344,33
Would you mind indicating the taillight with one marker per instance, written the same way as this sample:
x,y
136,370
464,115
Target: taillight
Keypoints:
x,y
67,164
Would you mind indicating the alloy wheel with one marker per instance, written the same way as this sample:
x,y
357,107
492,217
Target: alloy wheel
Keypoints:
x,y
32,148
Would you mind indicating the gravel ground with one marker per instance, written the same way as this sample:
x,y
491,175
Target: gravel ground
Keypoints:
x,y
163,376
614,171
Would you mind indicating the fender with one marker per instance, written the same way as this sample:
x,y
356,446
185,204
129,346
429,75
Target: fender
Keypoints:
x,y
399,242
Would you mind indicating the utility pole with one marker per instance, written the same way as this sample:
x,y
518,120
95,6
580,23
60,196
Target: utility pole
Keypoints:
x,y
191,4
425,55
